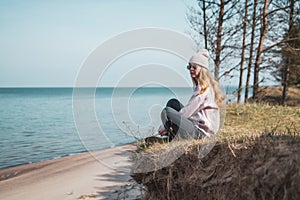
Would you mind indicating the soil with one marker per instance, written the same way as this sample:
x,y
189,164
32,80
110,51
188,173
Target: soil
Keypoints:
x,y
273,95
264,167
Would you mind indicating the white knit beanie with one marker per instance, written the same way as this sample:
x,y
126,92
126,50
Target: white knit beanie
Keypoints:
x,y
200,58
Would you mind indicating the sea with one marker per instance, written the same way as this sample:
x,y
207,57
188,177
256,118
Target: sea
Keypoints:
x,y
39,124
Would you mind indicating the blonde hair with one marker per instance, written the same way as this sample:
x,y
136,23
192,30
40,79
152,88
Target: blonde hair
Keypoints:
x,y
206,80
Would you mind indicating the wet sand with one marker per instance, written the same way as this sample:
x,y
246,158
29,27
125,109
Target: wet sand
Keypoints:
x,y
96,175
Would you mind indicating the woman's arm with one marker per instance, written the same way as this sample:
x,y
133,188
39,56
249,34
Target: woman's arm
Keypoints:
x,y
193,105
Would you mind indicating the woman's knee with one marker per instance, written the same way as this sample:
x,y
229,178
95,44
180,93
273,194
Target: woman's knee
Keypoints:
x,y
172,101
175,104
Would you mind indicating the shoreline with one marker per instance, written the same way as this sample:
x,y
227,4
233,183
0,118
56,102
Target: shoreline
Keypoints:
x,y
95,174
58,157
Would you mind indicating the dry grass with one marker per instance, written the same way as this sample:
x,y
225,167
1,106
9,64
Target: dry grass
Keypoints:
x,y
249,119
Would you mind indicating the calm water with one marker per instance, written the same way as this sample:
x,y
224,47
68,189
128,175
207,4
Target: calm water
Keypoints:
x,y
42,123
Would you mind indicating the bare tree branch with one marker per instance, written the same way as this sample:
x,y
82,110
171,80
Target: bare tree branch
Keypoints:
x,y
278,43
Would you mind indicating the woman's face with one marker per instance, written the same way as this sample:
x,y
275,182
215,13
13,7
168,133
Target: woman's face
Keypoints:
x,y
194,70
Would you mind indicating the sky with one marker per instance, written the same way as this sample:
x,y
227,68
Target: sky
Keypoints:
x,y
45,43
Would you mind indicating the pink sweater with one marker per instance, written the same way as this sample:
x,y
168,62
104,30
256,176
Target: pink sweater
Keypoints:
x,y
203,111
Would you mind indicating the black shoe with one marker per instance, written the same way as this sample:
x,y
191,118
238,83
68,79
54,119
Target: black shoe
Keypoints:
x,y
154,139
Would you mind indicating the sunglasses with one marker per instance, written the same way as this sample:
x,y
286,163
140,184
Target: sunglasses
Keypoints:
x,y
192,66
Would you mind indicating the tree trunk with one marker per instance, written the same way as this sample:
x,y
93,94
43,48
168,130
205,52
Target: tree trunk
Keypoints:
x,y
286,70
251,50
285,84
243,52
204,23
260,49
219,39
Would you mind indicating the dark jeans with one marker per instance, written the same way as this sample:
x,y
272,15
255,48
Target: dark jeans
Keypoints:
x,y
177,125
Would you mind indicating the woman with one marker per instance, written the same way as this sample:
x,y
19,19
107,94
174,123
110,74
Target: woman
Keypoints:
x,y
201,116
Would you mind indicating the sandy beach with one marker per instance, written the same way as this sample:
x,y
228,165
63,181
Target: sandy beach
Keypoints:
x,y
95,175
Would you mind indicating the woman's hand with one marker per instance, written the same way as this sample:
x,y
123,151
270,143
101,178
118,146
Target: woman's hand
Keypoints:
x,y
162,131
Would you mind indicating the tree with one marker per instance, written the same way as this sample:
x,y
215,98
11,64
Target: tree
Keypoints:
x,y
243,51
211,22
204,23
253,27
286,69
263,32
293,53
261,46
219,38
